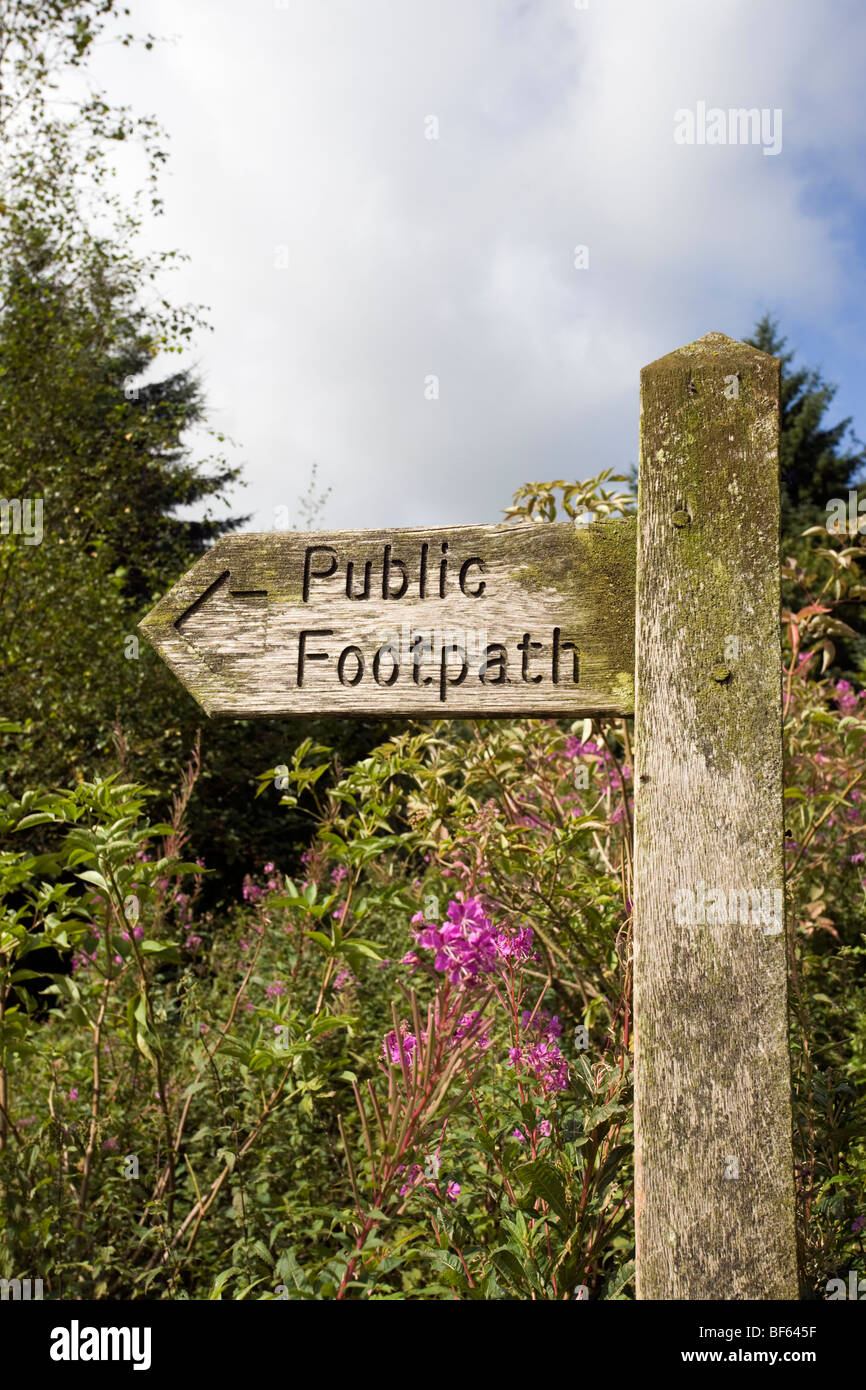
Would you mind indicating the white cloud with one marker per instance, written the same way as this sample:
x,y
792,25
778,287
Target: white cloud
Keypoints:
x,y
304,128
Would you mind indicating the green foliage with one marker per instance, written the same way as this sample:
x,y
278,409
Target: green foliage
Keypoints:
x,y
81,430
825,728
94,426
815,463
59,133
250,1177
316,1106
539,501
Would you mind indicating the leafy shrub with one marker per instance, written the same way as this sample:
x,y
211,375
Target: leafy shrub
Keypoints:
x,y
408,1073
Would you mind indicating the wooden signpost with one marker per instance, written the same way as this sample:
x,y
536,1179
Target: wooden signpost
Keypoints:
x,y
466,620
674,620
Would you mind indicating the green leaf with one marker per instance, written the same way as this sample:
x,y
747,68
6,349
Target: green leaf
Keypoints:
x,y
91,876
354,954
153,948
484,1140
508,1265
222,1279
322,940
611,1165
602,1113
287,899
617,1282
545,1182
364,948
288,1269
141,1042
38,818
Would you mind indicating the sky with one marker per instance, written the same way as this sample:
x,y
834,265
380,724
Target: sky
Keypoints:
x,y
381,202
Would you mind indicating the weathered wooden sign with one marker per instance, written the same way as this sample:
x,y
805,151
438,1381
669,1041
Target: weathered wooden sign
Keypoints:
x,y
470,620
554,619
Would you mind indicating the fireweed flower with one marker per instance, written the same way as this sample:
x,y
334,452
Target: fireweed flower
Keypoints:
x,y
575,749
82,958
514,944
415,1173
846,698
538,1052
542,1020
406,1046
275,989
412,1177
252,892
468,945
543,1131
464,945
465,1025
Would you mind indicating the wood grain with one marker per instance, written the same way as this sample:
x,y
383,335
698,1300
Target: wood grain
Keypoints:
x,y
232,628
714,1199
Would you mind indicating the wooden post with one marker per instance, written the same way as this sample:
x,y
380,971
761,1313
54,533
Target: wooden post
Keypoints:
x,y
714,1196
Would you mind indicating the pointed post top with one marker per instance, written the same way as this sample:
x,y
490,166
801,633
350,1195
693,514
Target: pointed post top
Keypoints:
x,y
711,345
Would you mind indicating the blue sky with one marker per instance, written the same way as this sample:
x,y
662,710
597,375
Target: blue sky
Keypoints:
x,y
346,257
